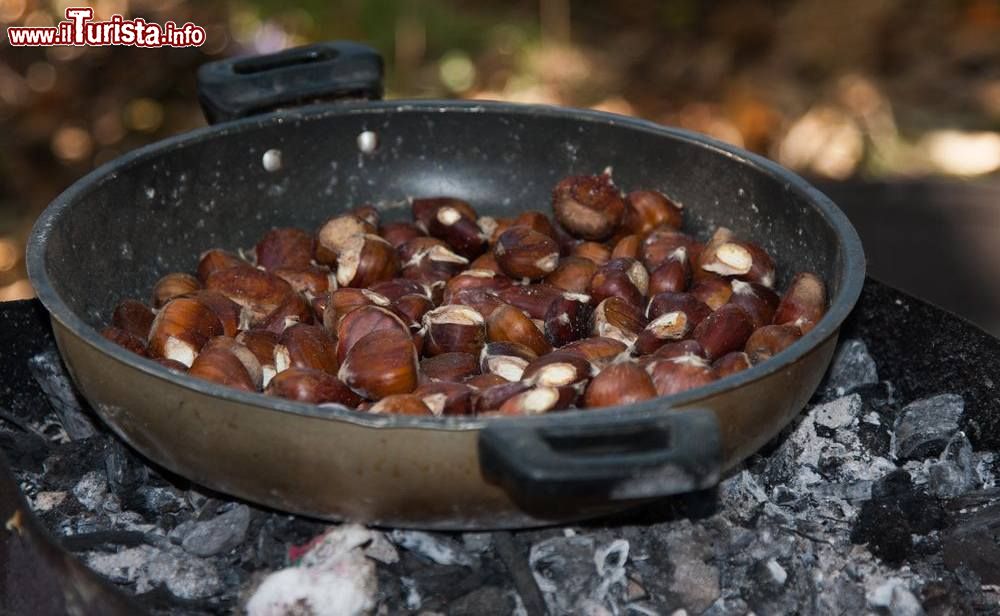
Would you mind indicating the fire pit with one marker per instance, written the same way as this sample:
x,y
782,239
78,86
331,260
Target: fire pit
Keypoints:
x,y
881,497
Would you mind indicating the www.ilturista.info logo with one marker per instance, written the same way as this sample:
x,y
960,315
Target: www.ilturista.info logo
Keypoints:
x,y
79,29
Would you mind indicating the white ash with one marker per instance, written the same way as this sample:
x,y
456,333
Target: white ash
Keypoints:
x,y
778,573
46,500
841,413
810,458
333,578
147,567
895,596
695,577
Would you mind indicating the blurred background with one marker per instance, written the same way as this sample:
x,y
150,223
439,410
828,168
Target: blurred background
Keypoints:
x,y
892,106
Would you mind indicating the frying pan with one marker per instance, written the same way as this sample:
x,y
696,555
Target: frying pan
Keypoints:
x,y
154,210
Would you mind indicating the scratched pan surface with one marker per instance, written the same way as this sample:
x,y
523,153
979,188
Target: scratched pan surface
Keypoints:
x,y
116,231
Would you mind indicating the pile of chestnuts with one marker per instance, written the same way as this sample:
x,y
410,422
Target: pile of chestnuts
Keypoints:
x,y
454,313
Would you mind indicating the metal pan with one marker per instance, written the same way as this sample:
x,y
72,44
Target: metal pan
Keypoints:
x,y
114,232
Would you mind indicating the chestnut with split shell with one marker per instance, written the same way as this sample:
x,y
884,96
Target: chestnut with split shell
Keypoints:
x,y
646,210
444,398
312,386
508,324
380,364
618,319
557,369
181,328
362,321
401,404
679,374
589,207
768,341
803,304
222,366
537,400
306,346
336,234
523,253
174,285
453,328
568,319
506,359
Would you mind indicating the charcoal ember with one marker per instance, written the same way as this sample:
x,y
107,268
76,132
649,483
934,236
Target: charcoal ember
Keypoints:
x,y
485,601
951,593
412,599
874,435
381,549
840,413
123,469
432,587
154,501
68,462
741,497
49,372
477,542
724,606
814,452
148,567
695,582
25,450
91,490
842,594
389,590
954,473
219,534
852,367
565,571
973,540
766,582
182,530
924,427
897,511
434,547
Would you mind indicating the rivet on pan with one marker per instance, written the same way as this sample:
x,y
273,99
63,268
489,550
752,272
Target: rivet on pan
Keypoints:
x,y
272,160
367,141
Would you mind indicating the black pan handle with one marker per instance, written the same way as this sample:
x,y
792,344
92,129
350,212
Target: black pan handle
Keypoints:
x,y
240,87
602,458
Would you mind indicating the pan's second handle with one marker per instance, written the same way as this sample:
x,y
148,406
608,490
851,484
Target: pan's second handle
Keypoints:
x,y
239,87
594,458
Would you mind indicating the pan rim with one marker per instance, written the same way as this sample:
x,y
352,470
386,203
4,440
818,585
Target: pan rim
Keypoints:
x,y
851,256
